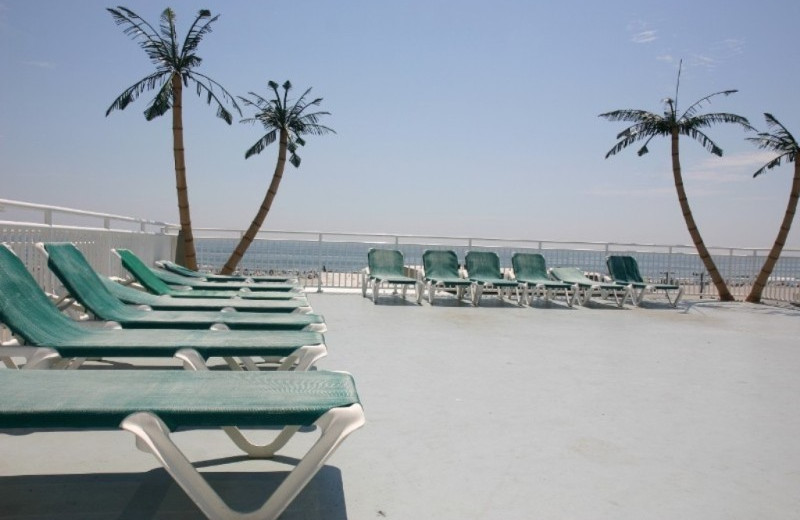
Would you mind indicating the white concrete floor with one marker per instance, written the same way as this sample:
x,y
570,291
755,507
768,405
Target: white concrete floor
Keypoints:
x,y
496,412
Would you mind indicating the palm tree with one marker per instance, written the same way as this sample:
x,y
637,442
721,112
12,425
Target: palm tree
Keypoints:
x,y
286,121
784,143
647,125
175,66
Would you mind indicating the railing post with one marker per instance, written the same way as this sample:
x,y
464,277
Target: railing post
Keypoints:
x,y
669,262
319,264
48,217
107,223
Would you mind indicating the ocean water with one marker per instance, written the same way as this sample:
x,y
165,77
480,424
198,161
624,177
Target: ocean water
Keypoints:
x,y
312,256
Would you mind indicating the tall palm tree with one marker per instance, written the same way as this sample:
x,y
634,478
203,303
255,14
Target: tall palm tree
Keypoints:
x,y
287,121
647,125
785,144
175,68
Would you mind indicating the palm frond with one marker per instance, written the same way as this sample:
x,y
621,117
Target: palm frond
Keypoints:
x,y
200,27
701,138
632,135
777,161
167,29
262,143
212,96
140,31
160,104
130,94
700,102
706,120
630,116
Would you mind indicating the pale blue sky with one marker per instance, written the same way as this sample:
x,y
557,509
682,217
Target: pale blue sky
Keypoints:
x,y
453,117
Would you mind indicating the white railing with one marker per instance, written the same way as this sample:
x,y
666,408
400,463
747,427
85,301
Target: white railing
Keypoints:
x,y
336,260
25,224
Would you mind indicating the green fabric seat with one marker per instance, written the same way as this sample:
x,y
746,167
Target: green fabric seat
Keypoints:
x,y
32,317
168,303
148,279
386,267
483,270
181,399
128,257
625,270
151,404
441,272
530,269
588,287
85,285
184,271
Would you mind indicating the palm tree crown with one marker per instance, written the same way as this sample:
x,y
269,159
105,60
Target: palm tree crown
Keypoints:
x,y
170,59
648,125
277,114
780,141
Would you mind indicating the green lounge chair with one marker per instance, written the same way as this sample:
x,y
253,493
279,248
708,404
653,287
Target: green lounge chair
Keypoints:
x,y
152,403
530,270
586,287
168,303
483,270
148,279
441,272
84,284
385,267
128,256
208,277
48,335
625,270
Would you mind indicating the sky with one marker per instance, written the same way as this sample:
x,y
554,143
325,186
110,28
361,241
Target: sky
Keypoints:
x,y
452,118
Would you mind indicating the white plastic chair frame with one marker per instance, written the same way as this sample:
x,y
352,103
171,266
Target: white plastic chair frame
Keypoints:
x,y
639,294
541,291
368,282
152,435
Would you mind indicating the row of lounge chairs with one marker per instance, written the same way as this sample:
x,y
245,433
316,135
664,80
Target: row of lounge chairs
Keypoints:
x,y
246,322
530,278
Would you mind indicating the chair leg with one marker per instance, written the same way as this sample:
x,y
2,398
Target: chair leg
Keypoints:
x,y
152,435
376,289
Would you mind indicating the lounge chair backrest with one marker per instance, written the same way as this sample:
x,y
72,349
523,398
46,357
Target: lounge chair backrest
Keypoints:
x,y
570,275
181,270
142,273
632,268
385,262
440,264
617,269
129,294
483,264
624,269
529,265
25,308
82,282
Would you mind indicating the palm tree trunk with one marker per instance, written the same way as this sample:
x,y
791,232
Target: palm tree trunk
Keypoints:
x,y
694,232
266,204
780,240
190,259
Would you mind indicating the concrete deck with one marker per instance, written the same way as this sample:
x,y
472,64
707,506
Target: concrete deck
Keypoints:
x,y
495,412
